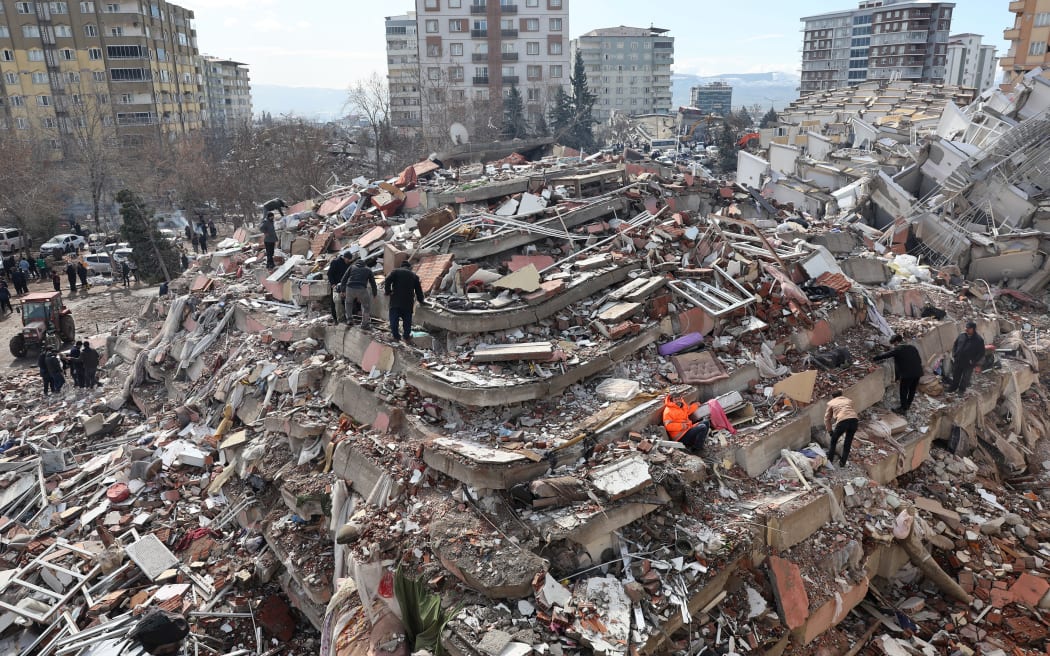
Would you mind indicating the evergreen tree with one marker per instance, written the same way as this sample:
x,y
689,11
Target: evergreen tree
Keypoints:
x,y
514,125
769,119
561,115
154,257
581,134
541,129
744,117
726,143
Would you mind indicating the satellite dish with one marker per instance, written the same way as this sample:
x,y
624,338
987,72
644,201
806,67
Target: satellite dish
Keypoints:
x,y
458,133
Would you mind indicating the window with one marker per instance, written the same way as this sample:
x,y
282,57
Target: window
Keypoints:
x,y
39,78
457,25
21,123
507,47
11,78
508,71
1042,19
17,101
455,4
75,98
433,50
31,31
532,95
59,8
531,25
506,24
1037,48
433,73
455,73
47,122
555,25
116,31
533,72
64,31
182,38
431,26
7,55
101,98
24,7
126,99
87,7
4,32
162,54
532,48
113,8
73,76
553,4
90,30
125,52
98,76
554,48
94,54
555,70
36,55
455,49
43,101
532,3
431,5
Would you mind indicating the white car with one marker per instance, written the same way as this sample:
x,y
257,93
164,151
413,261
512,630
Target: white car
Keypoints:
x,y
11,240
98,264
121,254
61,245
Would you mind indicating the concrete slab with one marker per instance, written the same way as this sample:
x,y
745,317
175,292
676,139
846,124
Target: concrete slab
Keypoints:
x,y
789,591
622,478
797,518
151,556
866,270
481,466
757,457
832,612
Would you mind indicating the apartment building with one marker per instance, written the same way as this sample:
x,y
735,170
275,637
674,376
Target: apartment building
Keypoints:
x,y
713,98
628,69
227,92
132,65
1029,38
970,63
880,39
402,60
472,52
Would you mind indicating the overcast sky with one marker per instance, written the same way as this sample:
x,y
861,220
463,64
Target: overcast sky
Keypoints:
x,y
332,43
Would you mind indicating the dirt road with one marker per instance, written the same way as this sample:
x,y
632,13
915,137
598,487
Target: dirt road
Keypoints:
x,y
94,312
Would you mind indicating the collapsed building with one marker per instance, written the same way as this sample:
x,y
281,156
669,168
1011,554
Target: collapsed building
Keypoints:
x,y
253,479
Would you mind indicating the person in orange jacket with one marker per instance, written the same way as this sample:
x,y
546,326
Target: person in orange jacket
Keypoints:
x,y
680,427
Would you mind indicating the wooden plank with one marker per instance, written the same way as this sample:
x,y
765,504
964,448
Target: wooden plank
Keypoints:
x,y
511,352
619,312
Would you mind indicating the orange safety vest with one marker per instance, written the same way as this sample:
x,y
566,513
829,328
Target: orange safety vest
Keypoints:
x,y
676,416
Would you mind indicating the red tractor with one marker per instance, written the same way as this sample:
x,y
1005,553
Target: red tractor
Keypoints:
x,y
45,322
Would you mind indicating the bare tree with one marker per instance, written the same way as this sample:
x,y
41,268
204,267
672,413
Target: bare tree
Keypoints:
x,y
90,142
371,98
29,185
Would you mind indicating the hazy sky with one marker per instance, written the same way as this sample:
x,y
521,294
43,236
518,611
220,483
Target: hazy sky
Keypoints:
x,y
332,43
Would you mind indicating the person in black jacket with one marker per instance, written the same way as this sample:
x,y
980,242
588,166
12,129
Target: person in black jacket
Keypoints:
x,y
269,232
89,358
359,285
336,270
967,353
907,366
403,288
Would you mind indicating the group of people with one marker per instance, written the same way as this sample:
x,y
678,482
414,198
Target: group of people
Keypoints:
x,y
841,419
81,362
197,234
354,288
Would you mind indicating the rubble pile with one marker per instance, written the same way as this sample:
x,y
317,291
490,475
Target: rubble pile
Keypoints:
x,y
252,478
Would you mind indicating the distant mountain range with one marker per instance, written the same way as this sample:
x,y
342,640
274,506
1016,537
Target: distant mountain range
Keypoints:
x,y
328,104
763,89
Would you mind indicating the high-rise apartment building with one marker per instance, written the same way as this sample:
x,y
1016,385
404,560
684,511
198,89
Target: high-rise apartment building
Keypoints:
x,y
132,65
628,69
1029,38
713,98
472,52
881,39
228,93
970,63
402,60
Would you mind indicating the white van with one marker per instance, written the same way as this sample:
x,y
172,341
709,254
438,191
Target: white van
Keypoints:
x,y
11,240
98,264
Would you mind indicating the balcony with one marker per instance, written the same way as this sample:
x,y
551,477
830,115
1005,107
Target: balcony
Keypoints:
x,y
1012,34
510,79
480,81
508,9
479,9
512,33
479,34
1017,6
509,56
479,57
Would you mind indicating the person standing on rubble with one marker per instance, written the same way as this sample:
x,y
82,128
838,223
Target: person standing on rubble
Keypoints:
x,y
403,288
41,363
89,358
359,284
56,280
336,269
840,418
54,370
75,364
269,238
125,273
5,299
82,273
202,236
967,353
907,366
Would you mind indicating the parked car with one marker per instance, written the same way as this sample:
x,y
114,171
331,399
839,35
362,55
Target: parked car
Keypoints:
x,y
121,254
11,240
62,244
169,235
99,264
